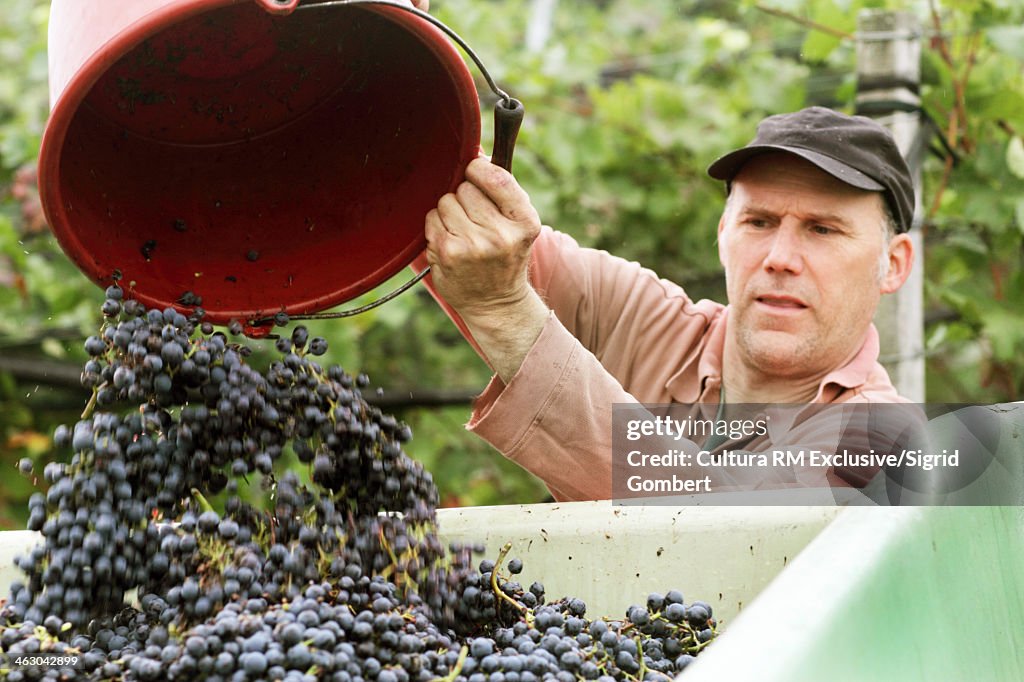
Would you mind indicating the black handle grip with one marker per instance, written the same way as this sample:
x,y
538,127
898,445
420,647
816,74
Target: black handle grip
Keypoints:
x,y
507,119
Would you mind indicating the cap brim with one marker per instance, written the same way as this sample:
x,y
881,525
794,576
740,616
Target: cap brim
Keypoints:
x,y
729,165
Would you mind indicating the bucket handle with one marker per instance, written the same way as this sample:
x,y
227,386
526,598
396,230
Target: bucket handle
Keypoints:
x,y
508,117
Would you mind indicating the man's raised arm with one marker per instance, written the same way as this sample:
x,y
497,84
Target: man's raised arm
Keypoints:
x,y
478,248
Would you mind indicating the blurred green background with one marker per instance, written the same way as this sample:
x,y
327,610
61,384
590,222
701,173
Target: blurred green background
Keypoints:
x,y
627,103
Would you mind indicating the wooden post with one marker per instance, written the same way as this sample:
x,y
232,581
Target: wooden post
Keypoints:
x,y
888,79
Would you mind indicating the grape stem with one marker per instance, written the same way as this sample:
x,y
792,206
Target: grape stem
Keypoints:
x,y
697,645
640,654
450,677
91,405
203,502
700,645
506,548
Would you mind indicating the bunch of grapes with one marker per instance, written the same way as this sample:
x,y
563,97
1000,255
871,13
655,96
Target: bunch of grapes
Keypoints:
x,y
341,576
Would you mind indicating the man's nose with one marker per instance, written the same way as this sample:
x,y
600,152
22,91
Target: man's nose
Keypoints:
x,y
785,250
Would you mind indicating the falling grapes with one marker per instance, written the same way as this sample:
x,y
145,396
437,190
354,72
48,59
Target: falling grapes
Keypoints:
x,y
138,576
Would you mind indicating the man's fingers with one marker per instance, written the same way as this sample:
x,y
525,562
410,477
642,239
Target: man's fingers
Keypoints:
x,y
478,206
453,216
501,188
443,244
432,228
436,235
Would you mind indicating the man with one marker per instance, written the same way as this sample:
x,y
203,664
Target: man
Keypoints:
x,y
812,234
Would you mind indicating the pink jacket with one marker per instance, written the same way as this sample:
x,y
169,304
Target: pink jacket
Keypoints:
x,y
617,334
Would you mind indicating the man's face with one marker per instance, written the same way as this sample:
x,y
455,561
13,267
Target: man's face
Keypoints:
x,y
801,252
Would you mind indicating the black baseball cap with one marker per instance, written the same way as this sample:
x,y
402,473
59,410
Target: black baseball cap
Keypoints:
x,y
853,149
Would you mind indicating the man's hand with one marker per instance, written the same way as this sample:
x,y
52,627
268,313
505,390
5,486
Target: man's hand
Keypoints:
x,y
421,4
478,247
478,241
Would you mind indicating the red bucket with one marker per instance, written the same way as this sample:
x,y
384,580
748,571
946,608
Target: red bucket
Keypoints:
x,y
259,158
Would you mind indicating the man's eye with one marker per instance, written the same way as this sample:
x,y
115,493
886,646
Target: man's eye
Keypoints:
x,y
757,222
822,229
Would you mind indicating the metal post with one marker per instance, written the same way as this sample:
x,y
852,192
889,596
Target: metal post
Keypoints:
x,y
538,30
888,79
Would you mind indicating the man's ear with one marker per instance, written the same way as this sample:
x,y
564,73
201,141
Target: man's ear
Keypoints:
x,y
901,261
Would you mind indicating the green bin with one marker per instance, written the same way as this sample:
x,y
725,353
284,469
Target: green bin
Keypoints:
x,y
929,594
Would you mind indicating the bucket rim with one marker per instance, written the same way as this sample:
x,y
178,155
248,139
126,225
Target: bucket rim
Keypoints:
x,y
79,85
